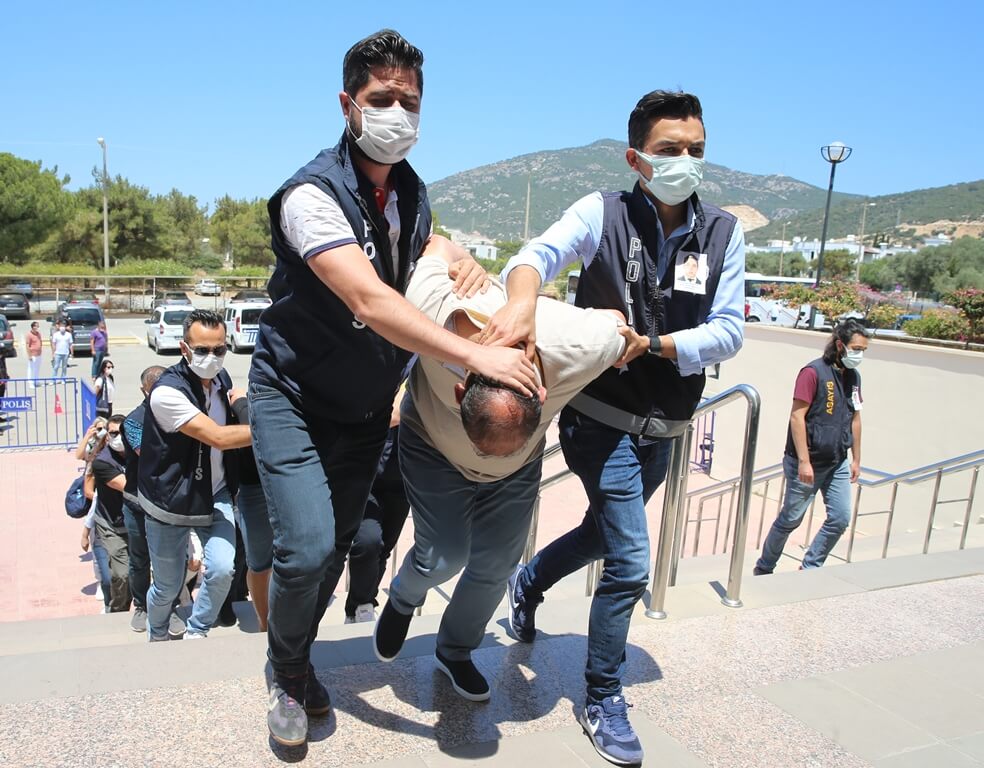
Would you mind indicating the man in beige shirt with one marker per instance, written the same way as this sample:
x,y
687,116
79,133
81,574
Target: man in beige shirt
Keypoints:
x,y
471,453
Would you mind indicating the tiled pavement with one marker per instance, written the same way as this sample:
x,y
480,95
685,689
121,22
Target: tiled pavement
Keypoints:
x,y
876,663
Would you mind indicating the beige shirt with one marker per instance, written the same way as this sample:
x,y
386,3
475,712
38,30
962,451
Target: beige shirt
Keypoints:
x,y
574,345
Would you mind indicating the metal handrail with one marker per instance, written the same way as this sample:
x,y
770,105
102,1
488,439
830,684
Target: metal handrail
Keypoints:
x,y
667,553
938,470
921,474
676,491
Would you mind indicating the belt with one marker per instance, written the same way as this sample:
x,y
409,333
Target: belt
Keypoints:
x,y
642,426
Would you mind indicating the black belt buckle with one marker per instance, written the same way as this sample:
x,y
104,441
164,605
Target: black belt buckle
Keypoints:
x,y
645,426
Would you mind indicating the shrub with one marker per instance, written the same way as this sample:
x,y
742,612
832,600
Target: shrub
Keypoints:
x,y
883,316
970,302
939,324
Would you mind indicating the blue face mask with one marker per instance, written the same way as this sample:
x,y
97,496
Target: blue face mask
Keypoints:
x,y
674,179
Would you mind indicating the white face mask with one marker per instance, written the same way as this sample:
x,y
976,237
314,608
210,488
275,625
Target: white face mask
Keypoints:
x,y
116,443
206,366
387,133
674,179
852,358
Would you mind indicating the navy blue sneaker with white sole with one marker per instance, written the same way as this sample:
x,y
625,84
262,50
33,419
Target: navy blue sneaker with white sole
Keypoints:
x,y
607,725
522,608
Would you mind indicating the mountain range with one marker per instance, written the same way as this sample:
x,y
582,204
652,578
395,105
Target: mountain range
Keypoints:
x,y
491,199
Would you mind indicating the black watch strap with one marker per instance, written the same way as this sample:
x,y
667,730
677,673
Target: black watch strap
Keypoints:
x,y
655,346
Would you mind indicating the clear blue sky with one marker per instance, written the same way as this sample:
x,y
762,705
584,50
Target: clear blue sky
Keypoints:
x,y
224,97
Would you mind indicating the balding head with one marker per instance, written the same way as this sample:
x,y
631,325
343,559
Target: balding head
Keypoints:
x,y
499,421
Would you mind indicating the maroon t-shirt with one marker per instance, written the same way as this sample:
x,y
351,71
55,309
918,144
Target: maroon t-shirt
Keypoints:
x,y
805,388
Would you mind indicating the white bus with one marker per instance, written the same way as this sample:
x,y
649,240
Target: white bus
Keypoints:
x,y
761,308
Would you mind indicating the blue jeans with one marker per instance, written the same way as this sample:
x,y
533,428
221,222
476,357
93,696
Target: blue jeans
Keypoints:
x,y
619,475
100,556
168,545
457,524
59,366
97,358
834,483
136,529
316,475
254,523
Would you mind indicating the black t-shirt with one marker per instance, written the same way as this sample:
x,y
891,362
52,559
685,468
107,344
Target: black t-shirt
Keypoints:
x,y
109,502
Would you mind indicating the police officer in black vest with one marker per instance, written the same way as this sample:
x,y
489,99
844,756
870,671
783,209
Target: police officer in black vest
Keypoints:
x,y
674,266
347,230
824,423
188,475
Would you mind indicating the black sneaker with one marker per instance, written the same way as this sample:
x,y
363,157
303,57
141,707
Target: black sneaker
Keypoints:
x,y
317,702
756,571
465,678
521,608
227,616
286,719
390,632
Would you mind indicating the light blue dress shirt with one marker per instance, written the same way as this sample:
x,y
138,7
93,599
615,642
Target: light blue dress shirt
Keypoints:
x,y
576,236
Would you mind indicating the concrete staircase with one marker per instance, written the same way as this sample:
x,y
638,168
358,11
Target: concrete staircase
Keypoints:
x,y
90,680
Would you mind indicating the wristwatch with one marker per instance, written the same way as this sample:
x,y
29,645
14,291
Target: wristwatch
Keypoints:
x,y
655,346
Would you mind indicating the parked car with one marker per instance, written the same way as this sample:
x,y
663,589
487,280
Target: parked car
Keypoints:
x,y
251,296
208,288
85,316
242,319
170,297
7,347
21,286
15,305
165,326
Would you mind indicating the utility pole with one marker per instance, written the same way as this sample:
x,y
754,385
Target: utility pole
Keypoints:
x,y
864,210
526,225
782,252
105,184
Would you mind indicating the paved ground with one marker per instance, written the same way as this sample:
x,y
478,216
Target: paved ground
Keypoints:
x,y
874,664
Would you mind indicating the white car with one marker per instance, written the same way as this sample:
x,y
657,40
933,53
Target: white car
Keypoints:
x,y
242,319
165,326
208,288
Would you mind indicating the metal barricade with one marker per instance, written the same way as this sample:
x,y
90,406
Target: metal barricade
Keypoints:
x,y
40,413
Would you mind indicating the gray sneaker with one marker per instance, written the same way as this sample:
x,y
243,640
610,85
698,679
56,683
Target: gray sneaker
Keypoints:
x,y
138,621
175,626
286,719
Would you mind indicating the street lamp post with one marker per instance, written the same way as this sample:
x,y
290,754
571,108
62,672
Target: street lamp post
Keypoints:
x,y
105,180
782,251
864,211
833,153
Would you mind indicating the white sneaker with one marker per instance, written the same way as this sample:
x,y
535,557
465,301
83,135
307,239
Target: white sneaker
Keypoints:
x,y
194,636
364,613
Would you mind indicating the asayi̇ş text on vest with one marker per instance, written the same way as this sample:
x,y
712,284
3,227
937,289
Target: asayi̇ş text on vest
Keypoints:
x,y
829,417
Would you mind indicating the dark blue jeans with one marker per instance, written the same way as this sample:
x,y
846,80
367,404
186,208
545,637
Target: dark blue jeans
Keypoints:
x,y
136,529
619,476
386,512
316,475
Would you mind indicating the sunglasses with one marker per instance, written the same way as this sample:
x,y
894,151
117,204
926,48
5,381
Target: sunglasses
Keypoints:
x,y
218,351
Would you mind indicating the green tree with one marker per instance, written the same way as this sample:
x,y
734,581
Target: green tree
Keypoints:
x,y
838,264
508,248
183,225
33,204
881,274
763,263
242,228
436,227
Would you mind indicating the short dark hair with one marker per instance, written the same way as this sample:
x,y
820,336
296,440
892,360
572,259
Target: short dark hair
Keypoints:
x,y
206,317
691,256
116,418
477,413
844,331
150,376
385,48
656,104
